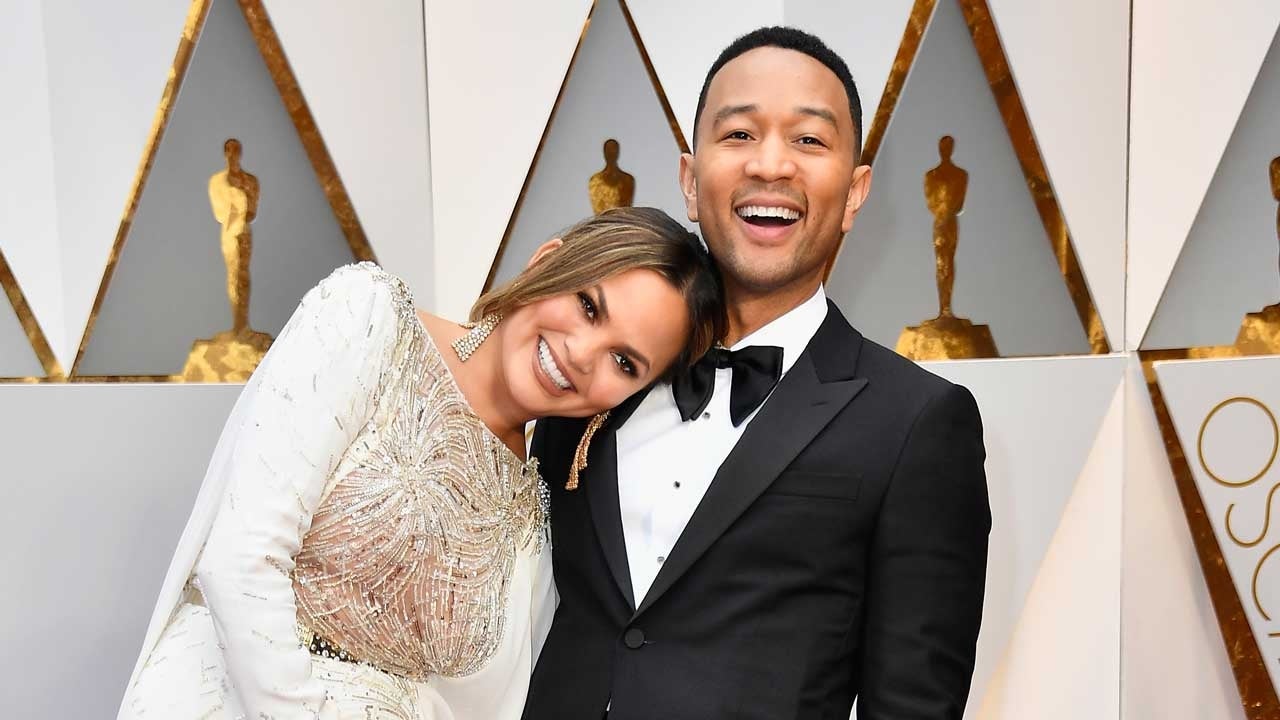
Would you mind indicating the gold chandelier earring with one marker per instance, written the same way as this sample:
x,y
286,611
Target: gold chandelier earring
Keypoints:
x,y
466,345
584,446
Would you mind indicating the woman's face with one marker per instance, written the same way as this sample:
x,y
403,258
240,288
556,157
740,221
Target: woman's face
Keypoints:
x,y
578,354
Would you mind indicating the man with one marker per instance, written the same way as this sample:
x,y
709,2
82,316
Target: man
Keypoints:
x,y
725,558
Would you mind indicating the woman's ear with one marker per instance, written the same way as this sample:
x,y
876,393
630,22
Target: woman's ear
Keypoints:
x,y
544,249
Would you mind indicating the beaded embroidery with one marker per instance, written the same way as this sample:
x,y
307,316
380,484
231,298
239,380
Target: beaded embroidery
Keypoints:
x,y
409,558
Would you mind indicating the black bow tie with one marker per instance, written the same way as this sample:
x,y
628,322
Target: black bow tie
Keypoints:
x,y
756,370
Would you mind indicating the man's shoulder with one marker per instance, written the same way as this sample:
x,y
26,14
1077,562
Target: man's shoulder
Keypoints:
x,y
903,383
880,364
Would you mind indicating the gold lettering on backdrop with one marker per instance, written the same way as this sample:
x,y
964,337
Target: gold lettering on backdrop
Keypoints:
x,y
1241,484
946,337
1275,441
232,355
611,187
1266,521
1257,570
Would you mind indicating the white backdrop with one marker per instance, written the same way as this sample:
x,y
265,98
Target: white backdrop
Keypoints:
x,y
432,111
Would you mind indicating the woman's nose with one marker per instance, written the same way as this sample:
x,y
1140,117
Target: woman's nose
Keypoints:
x,y
578,353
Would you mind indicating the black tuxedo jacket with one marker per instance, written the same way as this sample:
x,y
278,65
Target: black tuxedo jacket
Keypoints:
x,y
840,552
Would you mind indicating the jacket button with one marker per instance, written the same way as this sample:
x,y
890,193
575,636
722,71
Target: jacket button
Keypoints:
x,y
634,638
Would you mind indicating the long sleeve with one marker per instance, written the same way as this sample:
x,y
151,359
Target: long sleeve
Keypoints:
x,y
316,389
928,569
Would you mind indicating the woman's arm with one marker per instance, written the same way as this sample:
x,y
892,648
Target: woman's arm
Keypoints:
x,y
317,389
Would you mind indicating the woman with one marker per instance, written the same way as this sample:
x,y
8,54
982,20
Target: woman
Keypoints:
x,y
368,541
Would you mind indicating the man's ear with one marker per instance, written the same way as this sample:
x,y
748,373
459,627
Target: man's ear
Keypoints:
x,y
544,249
858,190
689,186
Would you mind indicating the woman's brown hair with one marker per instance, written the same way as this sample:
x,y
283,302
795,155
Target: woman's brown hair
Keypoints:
x,y
616,241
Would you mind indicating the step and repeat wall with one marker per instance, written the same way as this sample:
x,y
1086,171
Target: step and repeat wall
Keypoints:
x,y
1074,213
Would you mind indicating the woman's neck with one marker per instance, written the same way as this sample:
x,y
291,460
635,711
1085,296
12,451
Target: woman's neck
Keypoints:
x,y
480,379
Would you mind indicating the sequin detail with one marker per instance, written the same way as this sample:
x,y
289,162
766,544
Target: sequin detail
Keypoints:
x,y
408,561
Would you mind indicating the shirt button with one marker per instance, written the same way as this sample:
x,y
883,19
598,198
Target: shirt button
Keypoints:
x,y
634,638
676,484
661,559
706,416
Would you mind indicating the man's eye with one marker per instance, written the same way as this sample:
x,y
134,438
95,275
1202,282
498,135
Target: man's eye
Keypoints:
x,y
738,135
625,364
810,140
588,307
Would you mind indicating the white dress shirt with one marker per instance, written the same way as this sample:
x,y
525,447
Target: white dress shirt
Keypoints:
x,y
665,465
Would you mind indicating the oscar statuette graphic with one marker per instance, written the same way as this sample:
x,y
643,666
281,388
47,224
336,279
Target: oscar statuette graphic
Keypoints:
x,y
611,187
946,337
231,355
1260,331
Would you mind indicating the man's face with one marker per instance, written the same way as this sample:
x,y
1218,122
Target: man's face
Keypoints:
x,y
774,185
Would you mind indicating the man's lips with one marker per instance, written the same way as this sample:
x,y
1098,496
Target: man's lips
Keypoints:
x,y
766,232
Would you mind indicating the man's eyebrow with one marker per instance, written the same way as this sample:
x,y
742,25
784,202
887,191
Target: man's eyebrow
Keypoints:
x,y
820,113
731,110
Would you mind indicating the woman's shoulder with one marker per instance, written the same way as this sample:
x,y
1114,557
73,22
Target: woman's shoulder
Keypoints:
x,y
362,292
362,279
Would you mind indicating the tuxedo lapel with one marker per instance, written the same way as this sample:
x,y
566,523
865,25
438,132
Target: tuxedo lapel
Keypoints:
x,y
818,386
600,483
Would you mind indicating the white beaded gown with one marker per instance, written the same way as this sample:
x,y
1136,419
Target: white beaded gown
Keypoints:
x,y
362,546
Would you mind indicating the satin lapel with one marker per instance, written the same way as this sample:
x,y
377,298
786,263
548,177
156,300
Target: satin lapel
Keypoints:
x,y
800,407
600,483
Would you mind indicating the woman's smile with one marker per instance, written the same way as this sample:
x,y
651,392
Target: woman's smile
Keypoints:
x,y
552,373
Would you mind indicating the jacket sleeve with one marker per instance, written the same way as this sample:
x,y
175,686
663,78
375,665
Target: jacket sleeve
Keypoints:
x,y
317,389
927,569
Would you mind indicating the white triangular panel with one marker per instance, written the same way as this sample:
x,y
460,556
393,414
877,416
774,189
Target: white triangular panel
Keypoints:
x,y
1225,414
1230,262
1192,71
169,287
1040,420
493,72
1051,669
107,64
609,95
28,214
1006,275
1173,661
363,72
682,52
1041,40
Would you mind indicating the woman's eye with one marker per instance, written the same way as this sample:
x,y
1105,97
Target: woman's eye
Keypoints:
x,y
625,364
588,306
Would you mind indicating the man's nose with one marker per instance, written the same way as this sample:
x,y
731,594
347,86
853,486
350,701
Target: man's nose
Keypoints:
x,y
772,161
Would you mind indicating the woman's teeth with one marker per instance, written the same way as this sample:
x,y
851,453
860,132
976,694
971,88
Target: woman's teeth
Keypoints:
x,y
761,211
549,366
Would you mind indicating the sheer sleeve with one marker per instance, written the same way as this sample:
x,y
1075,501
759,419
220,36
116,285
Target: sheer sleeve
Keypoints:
x,y
311,395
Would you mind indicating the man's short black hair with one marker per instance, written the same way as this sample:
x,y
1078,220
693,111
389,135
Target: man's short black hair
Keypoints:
x,y
788,38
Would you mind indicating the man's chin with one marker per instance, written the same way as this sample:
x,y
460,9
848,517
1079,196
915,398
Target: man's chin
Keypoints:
x,y
759,279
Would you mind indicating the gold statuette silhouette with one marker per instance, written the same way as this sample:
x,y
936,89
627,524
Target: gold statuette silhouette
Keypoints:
x,y
232,355
946,337
1260,331
611,187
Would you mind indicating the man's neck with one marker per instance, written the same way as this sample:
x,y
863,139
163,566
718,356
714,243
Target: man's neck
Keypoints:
x,y
749,311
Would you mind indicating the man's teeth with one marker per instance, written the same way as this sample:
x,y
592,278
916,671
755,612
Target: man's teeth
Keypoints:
x,y
770,212
549,366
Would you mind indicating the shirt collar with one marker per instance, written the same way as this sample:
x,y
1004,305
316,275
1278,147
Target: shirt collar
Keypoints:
x,y
792,330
